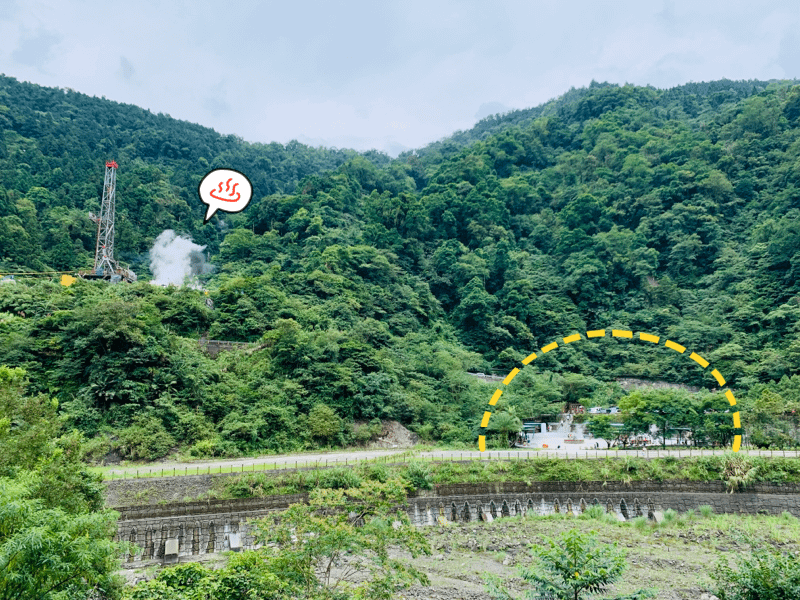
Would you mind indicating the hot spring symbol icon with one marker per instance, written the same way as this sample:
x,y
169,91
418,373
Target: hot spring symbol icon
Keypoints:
x,y
227,190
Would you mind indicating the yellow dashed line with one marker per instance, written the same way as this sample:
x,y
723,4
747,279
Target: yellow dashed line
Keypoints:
x,y
649,338
510,376
620,333
674,346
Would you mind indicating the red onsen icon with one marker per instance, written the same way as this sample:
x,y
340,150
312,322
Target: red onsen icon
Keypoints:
x,y
227,188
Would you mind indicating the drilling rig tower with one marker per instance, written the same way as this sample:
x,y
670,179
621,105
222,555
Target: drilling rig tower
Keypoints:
x,y
105,266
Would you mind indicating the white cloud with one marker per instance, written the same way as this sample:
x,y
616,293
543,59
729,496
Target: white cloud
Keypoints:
x,y
36,50
393,74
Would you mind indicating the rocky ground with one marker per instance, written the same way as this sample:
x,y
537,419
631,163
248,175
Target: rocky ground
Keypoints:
x,y
464,554
394,435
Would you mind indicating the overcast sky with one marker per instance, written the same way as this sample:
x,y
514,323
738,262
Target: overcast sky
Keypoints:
x,y
379,74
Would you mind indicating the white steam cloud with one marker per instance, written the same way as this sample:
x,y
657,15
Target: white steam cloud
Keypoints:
x,y
177,260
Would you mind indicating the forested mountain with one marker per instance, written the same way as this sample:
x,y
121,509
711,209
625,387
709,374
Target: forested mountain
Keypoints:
x,y
54,145
369,285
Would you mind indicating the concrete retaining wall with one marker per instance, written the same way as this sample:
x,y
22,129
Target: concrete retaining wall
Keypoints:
x,y
148,491
168,532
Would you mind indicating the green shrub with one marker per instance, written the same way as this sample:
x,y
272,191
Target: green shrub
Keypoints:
x,y
94,449
252,485
640,523
418,474
364,434
145,439
594,512
425,432
373,472
738,471
457,435
765,575
573,567
192,426
655,471
212,448
706,511
83,414
631,464
298,482
184,576
339,479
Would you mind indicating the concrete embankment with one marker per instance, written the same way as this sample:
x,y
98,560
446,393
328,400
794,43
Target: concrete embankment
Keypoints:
x,y
170,531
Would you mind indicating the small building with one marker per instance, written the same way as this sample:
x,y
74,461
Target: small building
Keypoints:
x,y
529,430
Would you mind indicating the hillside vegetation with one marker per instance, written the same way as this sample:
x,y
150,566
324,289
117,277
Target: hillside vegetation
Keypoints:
x,y
369,286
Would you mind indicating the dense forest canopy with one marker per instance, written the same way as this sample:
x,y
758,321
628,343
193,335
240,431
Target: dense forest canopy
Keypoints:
x,y
369,286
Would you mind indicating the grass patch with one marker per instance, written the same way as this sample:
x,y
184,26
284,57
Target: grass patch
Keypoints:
x,y
417,473
728,467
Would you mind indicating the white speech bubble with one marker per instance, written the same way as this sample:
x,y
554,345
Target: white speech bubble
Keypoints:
x,y
226,190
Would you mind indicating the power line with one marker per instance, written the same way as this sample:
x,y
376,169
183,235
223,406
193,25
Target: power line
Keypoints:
x,y
40,273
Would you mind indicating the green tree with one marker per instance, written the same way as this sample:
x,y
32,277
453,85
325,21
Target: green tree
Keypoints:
x,y
666,409
323,423
55,541
571,567
600,427
29,443
506,425
475,314
46,552
353,529
246,576
28,424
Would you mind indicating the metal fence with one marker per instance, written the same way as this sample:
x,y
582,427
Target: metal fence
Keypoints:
x,y
443,456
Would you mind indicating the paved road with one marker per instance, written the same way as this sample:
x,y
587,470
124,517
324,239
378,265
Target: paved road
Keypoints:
x,y
291,461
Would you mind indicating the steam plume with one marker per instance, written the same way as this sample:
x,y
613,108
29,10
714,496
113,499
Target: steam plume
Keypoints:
x,y
177,260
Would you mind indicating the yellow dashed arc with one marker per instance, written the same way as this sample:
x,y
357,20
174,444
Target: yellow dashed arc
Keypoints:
x,y
620,333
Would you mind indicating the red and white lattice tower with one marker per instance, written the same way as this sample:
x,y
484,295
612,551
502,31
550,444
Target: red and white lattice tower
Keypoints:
x,y
104,263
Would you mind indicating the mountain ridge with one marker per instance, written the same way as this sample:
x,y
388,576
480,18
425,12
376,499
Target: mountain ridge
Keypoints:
x,y
372,285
